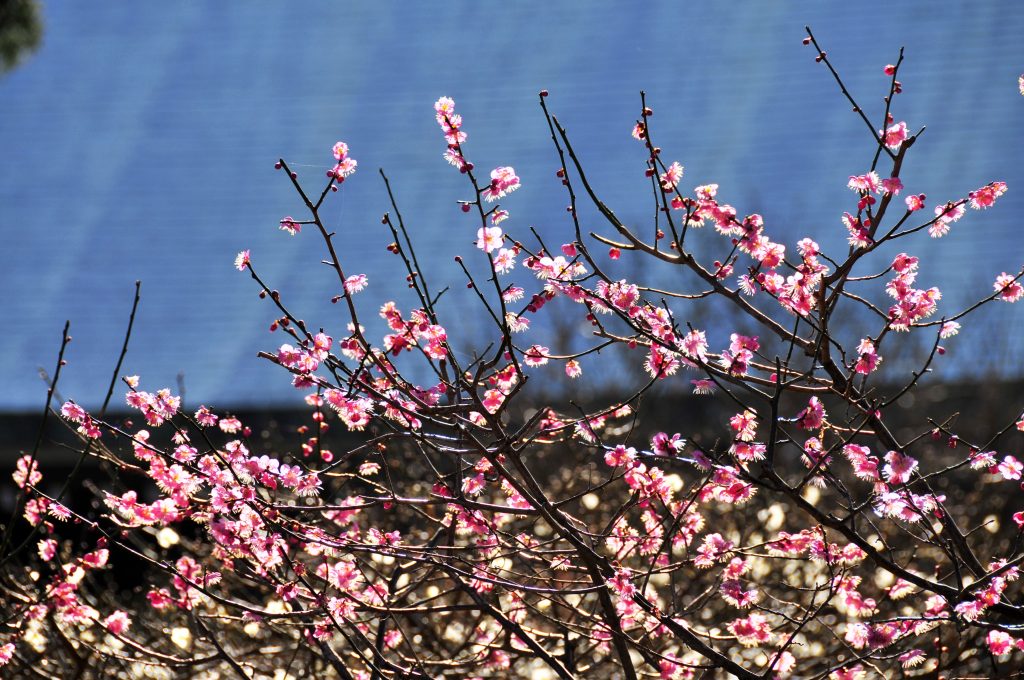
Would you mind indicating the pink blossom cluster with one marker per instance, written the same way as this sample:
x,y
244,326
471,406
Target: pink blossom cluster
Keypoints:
x,y
813,523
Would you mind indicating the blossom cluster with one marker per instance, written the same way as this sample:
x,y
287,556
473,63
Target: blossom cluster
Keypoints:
x,y
454,528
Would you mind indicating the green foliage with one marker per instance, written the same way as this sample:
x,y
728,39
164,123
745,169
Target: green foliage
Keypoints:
x,y
21,31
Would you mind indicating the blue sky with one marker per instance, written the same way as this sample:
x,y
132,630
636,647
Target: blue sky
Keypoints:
x,y
140,144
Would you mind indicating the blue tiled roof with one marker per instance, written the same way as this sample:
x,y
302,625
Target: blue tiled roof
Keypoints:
x,y
139,142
